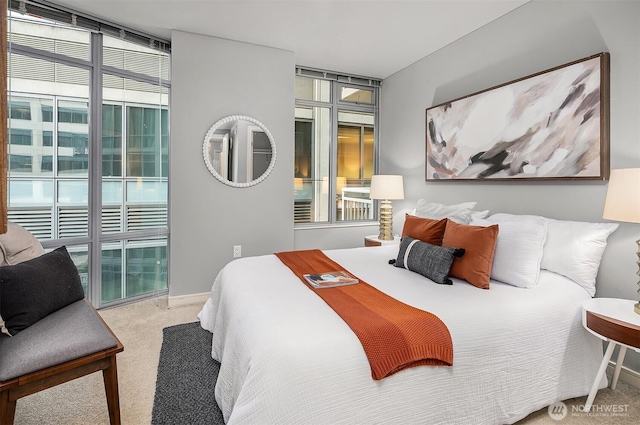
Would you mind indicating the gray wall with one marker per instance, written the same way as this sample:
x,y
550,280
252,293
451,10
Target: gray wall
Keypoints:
x,y
207,218
334,237
535,37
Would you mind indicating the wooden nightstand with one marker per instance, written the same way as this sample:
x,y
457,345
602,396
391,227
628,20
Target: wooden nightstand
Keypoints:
x,y
613,320
374,241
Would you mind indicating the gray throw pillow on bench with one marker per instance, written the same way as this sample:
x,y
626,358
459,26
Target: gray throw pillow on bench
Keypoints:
x,y
36,288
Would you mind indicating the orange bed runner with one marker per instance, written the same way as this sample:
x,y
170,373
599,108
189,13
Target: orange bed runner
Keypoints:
x,y
394,335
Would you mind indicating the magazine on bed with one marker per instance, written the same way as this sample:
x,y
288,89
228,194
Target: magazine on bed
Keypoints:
x,y
330,279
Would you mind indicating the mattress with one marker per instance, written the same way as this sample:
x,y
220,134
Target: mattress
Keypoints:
x,y
288,358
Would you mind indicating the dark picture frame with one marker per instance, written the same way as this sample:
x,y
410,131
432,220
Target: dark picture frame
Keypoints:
x,y
551,125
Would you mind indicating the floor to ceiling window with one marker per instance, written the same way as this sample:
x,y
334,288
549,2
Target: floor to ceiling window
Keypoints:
x,y
335,146
88,148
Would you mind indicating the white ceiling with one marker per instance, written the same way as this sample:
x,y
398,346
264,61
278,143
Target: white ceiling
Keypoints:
x,y
370,38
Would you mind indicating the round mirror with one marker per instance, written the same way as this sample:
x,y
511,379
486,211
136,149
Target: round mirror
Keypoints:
x,y
239,151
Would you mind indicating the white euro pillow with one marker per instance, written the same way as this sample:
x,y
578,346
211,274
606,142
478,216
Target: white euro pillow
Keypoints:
x,y
573,248
519,250
460,213
475,215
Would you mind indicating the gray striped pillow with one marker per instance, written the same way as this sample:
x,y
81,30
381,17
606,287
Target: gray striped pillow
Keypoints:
x,y
431,261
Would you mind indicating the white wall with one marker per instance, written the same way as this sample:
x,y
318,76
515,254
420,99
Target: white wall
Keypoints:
x,y
535,37
207,218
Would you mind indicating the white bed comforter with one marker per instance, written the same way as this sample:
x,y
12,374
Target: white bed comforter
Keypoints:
x,y
287,358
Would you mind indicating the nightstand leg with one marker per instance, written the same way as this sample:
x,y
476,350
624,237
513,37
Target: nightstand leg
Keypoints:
x,y
616,372
596,383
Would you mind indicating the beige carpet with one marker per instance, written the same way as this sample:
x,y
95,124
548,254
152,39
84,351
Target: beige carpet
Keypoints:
x,y
139,327
82,402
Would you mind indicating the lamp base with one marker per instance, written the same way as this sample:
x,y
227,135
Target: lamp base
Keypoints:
x,y
386,221
636,308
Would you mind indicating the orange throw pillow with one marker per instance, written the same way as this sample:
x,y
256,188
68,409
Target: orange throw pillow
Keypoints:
x,y
424,229
479,243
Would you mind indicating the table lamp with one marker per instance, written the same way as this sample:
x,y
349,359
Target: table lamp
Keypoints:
x,y
623,203
385,188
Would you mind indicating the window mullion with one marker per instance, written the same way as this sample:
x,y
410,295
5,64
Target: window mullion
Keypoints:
x,y
361,146
95,171
333,165
55,142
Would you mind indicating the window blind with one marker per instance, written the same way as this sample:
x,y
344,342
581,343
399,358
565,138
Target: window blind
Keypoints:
x,y
54,12
336,76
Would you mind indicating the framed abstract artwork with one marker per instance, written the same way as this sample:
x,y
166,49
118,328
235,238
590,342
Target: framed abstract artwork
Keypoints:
x,y
552,125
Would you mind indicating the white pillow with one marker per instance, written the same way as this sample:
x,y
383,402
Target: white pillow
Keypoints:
x,y
518,250
18,245
460,213
479,214
573,248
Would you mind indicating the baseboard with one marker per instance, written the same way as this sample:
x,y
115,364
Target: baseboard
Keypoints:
x,y
627,375
188,299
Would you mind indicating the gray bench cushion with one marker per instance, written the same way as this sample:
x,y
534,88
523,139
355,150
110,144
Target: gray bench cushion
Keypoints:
x,y
67,334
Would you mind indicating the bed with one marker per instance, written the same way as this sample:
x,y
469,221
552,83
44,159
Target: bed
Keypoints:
x,y
288,358
512,308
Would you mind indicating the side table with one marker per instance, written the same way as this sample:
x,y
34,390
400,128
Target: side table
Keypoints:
x,y
374,241
613,320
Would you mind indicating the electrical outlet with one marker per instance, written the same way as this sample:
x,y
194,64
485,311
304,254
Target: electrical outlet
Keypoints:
x,y
237,251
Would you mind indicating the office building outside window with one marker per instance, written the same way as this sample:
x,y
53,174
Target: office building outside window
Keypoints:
x,y
335,147
88,157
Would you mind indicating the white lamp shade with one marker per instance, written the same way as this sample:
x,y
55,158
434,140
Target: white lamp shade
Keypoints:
x,y
623,196
384,186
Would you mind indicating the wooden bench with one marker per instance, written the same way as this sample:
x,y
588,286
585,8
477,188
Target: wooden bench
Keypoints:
x,y
67,344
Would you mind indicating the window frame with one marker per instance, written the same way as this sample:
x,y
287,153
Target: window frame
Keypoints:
x,y
95,239
336,104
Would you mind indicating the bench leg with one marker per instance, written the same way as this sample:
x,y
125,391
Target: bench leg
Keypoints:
x,y
7,409
110,377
